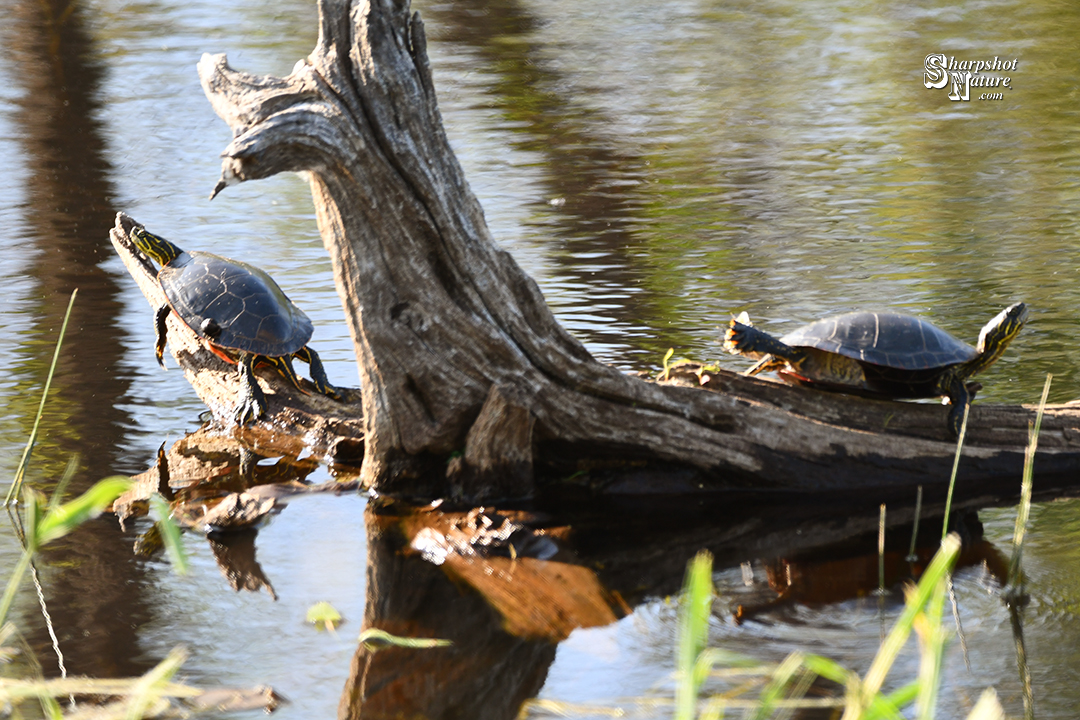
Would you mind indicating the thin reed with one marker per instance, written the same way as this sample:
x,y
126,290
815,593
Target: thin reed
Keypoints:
x,y
20,471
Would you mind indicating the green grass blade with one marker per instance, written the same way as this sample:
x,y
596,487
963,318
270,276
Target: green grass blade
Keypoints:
x,y
827,668
374,639
779,681
147,692
955,467
13,491
13,584
62,519
1022,512
170,533
911,556
694,612
881,708
45,523
888,707
932,638
935,572
65,480
666,361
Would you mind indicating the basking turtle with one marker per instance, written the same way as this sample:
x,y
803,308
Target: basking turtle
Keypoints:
x,y
879,354
239,312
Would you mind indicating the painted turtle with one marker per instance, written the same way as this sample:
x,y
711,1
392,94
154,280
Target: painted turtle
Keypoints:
x,y
239,312
879,354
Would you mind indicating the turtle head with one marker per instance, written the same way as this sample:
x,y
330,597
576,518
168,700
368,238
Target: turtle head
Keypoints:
x,y
155,246
999,332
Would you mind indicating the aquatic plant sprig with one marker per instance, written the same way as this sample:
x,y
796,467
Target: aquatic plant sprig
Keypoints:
x,y
1014,583
787,682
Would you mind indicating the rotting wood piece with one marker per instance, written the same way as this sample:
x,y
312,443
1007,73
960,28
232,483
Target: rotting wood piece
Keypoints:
x,y
439,314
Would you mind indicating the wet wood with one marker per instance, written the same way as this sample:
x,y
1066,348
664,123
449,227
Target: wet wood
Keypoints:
x,y
439,316
215,483
540,589
498,457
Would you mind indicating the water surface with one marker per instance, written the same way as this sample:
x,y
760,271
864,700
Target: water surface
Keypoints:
x,y
655,167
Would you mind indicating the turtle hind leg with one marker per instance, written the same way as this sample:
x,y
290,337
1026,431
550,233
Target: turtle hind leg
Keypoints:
x,y
745,339
317,372
161,329
250,400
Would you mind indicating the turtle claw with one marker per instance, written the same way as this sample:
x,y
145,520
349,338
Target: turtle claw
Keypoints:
x,y
735,336
248,411
250,401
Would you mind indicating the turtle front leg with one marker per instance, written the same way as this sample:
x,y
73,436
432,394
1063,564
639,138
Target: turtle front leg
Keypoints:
x,y
317,372
960,397
250,401
160,331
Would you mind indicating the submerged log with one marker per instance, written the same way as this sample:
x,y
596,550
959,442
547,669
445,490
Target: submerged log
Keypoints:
x,y
440,316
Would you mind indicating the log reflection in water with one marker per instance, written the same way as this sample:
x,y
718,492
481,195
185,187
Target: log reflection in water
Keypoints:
x,y
833,575
504,592
505,586
487,672
220,487
203,468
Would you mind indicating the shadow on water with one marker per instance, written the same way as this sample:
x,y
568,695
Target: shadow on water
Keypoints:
x,y
95,602
506,586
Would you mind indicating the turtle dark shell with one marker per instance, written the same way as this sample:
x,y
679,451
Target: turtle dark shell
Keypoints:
x,y
890,340
234,305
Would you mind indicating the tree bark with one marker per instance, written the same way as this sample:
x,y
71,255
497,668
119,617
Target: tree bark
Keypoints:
x,y
440,316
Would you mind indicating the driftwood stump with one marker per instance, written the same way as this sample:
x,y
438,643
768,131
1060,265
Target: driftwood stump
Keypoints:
x,y
440,316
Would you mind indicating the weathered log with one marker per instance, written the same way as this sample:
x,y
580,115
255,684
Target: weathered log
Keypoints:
x,y
439,315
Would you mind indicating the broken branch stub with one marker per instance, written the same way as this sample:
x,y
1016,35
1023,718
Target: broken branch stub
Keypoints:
x,y
498,457
439,315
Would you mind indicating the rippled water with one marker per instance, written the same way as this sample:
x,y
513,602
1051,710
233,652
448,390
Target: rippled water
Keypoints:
x,y
656,167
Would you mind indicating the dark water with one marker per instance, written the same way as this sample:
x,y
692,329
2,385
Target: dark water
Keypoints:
x,y
655,166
